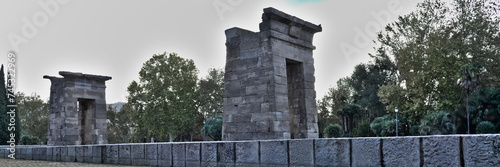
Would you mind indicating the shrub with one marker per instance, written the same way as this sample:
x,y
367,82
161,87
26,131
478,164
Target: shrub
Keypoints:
x,y
384,126
213,128
485,127
364,130
414,130
333,130
29,140
437,123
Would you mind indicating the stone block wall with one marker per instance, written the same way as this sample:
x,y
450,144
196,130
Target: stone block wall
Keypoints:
x,y
269,80
449,150
77,113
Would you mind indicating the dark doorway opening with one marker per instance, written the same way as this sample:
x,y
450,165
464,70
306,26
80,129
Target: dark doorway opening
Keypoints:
x,y
296,99
86,120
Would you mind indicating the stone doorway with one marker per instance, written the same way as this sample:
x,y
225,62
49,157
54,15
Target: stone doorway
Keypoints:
x,y
269,80
77,113
86,118
296,102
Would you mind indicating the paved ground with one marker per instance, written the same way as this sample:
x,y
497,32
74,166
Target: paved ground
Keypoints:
x,y
29,163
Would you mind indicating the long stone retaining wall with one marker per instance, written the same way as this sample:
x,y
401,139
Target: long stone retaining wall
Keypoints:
x,y
449,150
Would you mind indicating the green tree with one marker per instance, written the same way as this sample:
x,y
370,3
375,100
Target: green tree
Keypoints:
x,y
384,126
12,106
34,115
333,130
4,118
485,127
363,130
431,45
120,125
484,105
213,128
324,116
331,103
437,123
164,100
29,140
211,90
366,81
349,113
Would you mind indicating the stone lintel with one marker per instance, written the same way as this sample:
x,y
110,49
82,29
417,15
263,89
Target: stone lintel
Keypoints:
x,y
67,74
272,13
236,31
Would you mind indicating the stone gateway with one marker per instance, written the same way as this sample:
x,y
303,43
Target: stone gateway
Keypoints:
x,y
77,114
269,80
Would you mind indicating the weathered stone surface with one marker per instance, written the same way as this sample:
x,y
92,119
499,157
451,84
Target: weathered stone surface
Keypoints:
x,y
19,153
270,72
49,153
151,154
332,152
401,151
441,150
64,155
366,152
110,154
3,152
37,153
71,154
193,154
77,105
56,154
274,152
247,153
481,150
124,154
79,154
209,154
87,154
301,152
138,154
164,154
226,153
179,154
448,150
97,154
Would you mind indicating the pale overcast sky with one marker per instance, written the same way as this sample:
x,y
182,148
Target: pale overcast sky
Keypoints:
x,y
115,37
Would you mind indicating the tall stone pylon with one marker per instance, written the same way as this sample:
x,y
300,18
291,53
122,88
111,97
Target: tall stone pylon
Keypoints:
x,y
269,80
77,113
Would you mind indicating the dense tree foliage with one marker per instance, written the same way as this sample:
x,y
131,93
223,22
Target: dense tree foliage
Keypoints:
x,y
349,113
120,125
431,46
34,117
211,91
384,126
164,100
331,103
428,61
363,130
12,107
213,128
366,81
333,130
437,123
484,105
4,118
485,127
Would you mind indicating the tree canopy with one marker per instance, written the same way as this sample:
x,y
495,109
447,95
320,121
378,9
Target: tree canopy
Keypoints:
x,y
164,100
423,62
34,115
